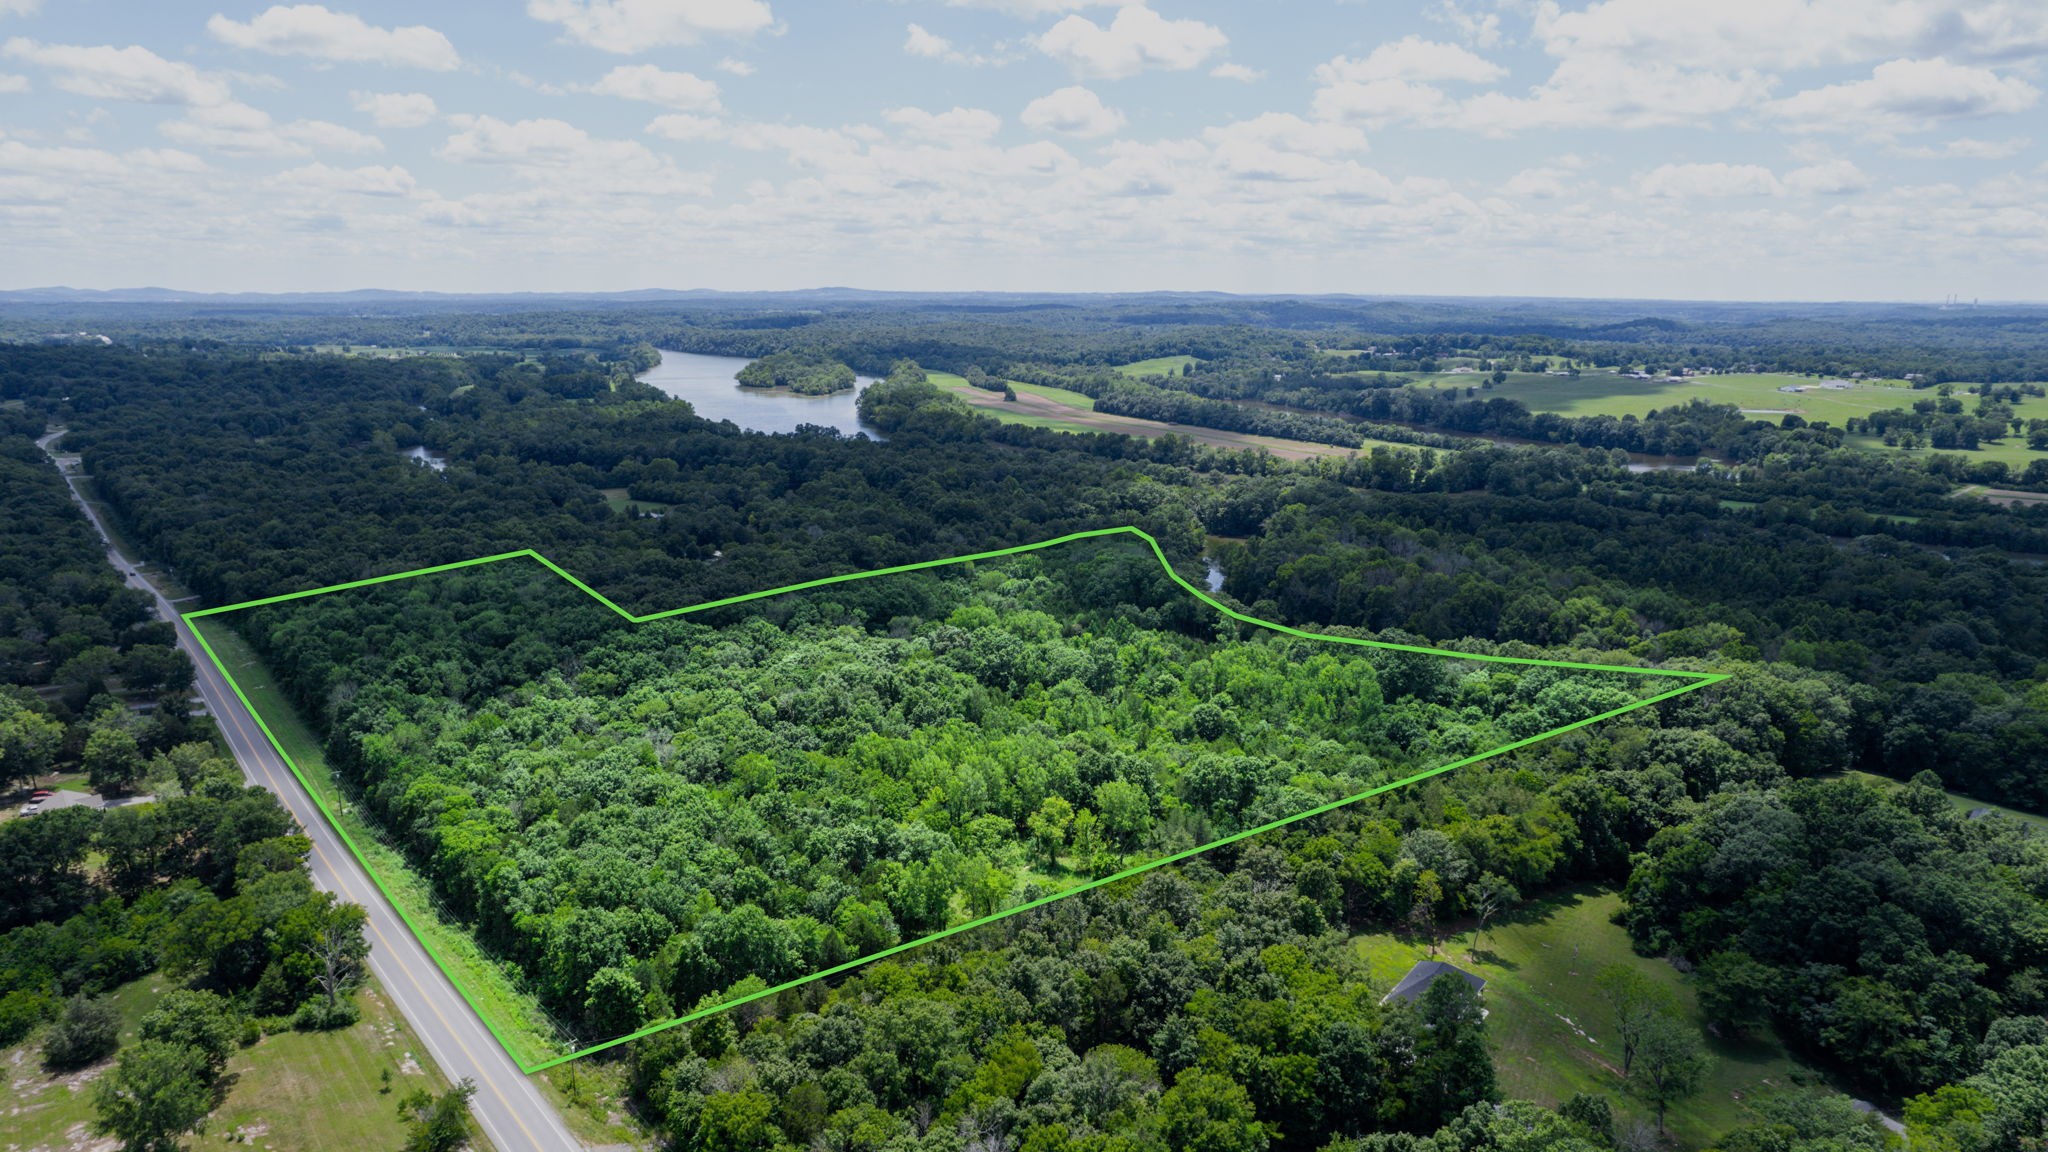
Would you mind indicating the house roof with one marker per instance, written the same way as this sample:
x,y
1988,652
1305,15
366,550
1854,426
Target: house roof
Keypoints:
x,y
1420,977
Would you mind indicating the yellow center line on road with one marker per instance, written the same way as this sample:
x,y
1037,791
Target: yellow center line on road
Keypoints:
x,y
341,879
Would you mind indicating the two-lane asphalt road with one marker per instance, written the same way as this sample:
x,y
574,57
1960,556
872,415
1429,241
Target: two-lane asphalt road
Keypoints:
x,y
509,1107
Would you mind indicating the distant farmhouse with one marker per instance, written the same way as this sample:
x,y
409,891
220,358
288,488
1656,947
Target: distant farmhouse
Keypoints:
x,y
1425,973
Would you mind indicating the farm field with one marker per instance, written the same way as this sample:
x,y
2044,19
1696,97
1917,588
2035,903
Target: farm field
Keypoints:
x,y
2007,496
1156,366
1607,394
304,1091
1064,411
1550,1031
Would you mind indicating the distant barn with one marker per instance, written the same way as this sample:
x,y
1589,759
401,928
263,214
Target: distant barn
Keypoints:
x,y
1425,973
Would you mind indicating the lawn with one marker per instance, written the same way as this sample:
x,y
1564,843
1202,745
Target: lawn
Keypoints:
x,y
1156,366
1549,1029
617,499
317,1092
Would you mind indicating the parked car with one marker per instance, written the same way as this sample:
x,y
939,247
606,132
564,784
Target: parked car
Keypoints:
x,y
32,807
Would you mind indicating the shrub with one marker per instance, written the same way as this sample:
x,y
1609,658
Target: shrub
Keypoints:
x,y
86,1031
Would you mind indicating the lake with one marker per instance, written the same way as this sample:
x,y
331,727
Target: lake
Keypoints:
x,y
707,382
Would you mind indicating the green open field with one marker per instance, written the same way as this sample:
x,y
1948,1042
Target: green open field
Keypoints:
x,y
2013,449
304,1091
1607,394
620,502
1550,1032
1038,406
1156,366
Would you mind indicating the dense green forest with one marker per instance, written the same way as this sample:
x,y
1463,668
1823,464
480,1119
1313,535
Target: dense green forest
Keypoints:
x,y
77,646
1870,620
894,758
805,373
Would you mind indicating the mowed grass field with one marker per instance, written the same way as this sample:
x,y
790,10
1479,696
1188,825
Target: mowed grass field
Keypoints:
x,y
1607,394
305,1091
1037,406
1550,1032
1156,366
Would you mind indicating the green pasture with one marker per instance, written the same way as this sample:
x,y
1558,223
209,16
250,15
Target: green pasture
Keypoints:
x,y
1610,394
2013,449
1550,1031
1063,396
1156,366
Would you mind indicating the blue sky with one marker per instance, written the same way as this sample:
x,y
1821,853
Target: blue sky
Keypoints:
x,y
1742,149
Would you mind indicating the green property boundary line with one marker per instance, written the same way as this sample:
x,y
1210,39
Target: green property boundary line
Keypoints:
x,y
1691,682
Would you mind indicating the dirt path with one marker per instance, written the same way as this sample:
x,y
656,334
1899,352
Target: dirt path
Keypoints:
x,y
2004,496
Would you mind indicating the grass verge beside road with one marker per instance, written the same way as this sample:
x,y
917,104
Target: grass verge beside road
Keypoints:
x,y
520,1021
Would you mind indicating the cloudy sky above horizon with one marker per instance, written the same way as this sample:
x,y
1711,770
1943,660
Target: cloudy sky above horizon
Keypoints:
x,y
1732,149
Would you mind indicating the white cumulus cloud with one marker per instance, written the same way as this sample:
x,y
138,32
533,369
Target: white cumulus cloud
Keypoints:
x,y
956,126
395,109
629,26
1136,39
1707,181
1071,111
315,31
560,155
930,45
133,73
1828,178
1906,96
239,129
679,90
1413,58
368,181
1778,34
